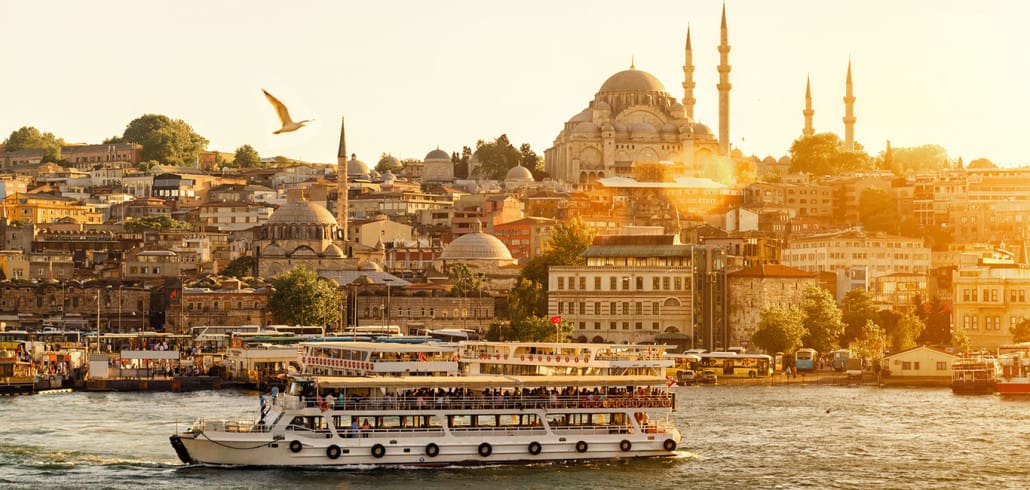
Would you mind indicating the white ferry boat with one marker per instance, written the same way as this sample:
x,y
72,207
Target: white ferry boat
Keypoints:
x,y
359,404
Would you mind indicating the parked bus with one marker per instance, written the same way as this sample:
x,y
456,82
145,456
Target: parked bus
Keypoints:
x,y
804,359
12,339
839,359
684,367
734,365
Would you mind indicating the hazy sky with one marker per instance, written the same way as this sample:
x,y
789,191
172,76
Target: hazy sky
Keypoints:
x,y
410,76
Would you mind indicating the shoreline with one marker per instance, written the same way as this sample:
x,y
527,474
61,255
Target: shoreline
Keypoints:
x,y
837,379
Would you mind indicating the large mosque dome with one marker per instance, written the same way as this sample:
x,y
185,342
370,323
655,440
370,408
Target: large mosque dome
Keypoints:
x,y
302,212
632,80
476,246
438,154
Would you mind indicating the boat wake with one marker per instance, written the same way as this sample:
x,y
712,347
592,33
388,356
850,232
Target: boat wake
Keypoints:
x,y
43,458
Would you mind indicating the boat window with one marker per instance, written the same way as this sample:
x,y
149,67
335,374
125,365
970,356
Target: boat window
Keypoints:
x,y
388,422
486,420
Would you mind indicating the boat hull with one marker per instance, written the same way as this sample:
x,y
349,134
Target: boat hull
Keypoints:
x,y
261,450
1014,386
974,388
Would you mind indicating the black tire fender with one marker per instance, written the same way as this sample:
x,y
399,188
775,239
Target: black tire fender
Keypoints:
x,y
378,451
625,445
296,446
582,446
535,448
432,450
485,449
333,451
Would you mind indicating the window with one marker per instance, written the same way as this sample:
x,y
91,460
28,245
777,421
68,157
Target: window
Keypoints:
x,y
597,283
656,283
915,365
597,325
679,283
639,307
582,283
639,326
654,326
640,284
561,283
625,325
611,283
906,366
665,283
942,365
572,283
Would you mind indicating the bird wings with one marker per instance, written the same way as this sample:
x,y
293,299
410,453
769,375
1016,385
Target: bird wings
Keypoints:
x,y
284,115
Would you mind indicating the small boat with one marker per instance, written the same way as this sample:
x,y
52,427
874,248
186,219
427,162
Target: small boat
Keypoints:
x,y
1015,376
361,404
975,375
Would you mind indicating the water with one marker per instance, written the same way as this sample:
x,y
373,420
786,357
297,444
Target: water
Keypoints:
x,y
746,436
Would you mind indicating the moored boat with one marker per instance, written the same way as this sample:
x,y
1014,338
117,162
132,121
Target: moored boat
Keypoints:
x,y
1015,376
359,404
975,375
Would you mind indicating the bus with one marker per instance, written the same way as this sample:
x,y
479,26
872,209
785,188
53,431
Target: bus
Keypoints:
x,y
734,365
840,359
804,359
374,330
684,367
12,339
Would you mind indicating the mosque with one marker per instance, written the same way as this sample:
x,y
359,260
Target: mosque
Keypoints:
x,y
633,118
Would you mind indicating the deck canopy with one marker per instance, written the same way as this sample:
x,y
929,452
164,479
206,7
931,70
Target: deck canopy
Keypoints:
x,y
484,382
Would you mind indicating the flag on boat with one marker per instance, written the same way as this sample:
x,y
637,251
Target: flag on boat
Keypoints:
x,y
670,381
422,356
556,320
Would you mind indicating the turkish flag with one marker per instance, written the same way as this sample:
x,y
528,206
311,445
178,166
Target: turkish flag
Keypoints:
x,y
556,320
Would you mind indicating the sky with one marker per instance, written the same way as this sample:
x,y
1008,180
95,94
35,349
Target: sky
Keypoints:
x,y
412,76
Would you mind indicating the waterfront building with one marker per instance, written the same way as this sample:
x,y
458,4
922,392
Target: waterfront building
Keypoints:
x,y
118,306
753,289
920,364
990,297
643,288
230,304
416,308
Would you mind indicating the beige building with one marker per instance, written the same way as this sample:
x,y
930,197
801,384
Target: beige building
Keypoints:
x,y
990,296
922,365
753,289
632,289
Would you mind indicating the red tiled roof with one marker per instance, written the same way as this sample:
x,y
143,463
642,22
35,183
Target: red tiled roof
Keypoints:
x,y
771,270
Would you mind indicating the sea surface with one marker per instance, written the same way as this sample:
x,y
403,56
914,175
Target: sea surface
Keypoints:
x,y
794,436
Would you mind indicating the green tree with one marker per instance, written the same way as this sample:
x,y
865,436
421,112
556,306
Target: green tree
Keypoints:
x,y
246,157
496,157
154,223
904,334
301,297
937,318
823,325
464,281
30,138
527,298
780,329
825,154
857,310
878,211
540,329
870,342
147,165
905,161
960,341
1021,331
240,267
169,141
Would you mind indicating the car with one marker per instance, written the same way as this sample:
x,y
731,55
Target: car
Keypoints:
x,y
708,376
686,377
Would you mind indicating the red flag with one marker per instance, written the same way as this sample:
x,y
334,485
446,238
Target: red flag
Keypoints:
x,y
556,320
421,357
670,381
173,295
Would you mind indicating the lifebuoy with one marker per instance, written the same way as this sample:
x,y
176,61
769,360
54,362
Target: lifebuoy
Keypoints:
x,y
523,357
669,445
625,445
535,448
432,449
378,451
485,449
296,446
333,451
566,358
582,446
577,358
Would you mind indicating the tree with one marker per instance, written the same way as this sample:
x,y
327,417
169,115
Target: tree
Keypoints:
x,y
540,329
147,165
825,154
301,297
567,242
246,157
154,223
905,161
527,298
823,325
878,211
496,157
937,318
464,282
904,334
870,342
1021,331
780,329
169,141
857,310
960,341
240,267
30,138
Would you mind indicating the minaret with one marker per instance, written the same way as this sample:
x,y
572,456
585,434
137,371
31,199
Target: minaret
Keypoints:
x,y
808,112
849,113
688,79
724,88
342,206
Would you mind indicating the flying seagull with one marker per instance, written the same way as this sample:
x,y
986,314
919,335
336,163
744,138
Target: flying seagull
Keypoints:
x,y
284,115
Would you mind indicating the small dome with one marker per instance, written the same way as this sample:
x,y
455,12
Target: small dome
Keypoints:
x,y
769,160
632,81
369,266
356,168
302,212
785,160
586,116
388,176
333,251
438,154
586,127
701,129
519,173
390,162
475,246
619,127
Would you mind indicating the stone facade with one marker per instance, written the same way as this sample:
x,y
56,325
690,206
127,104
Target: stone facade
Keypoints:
x,y
755,288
